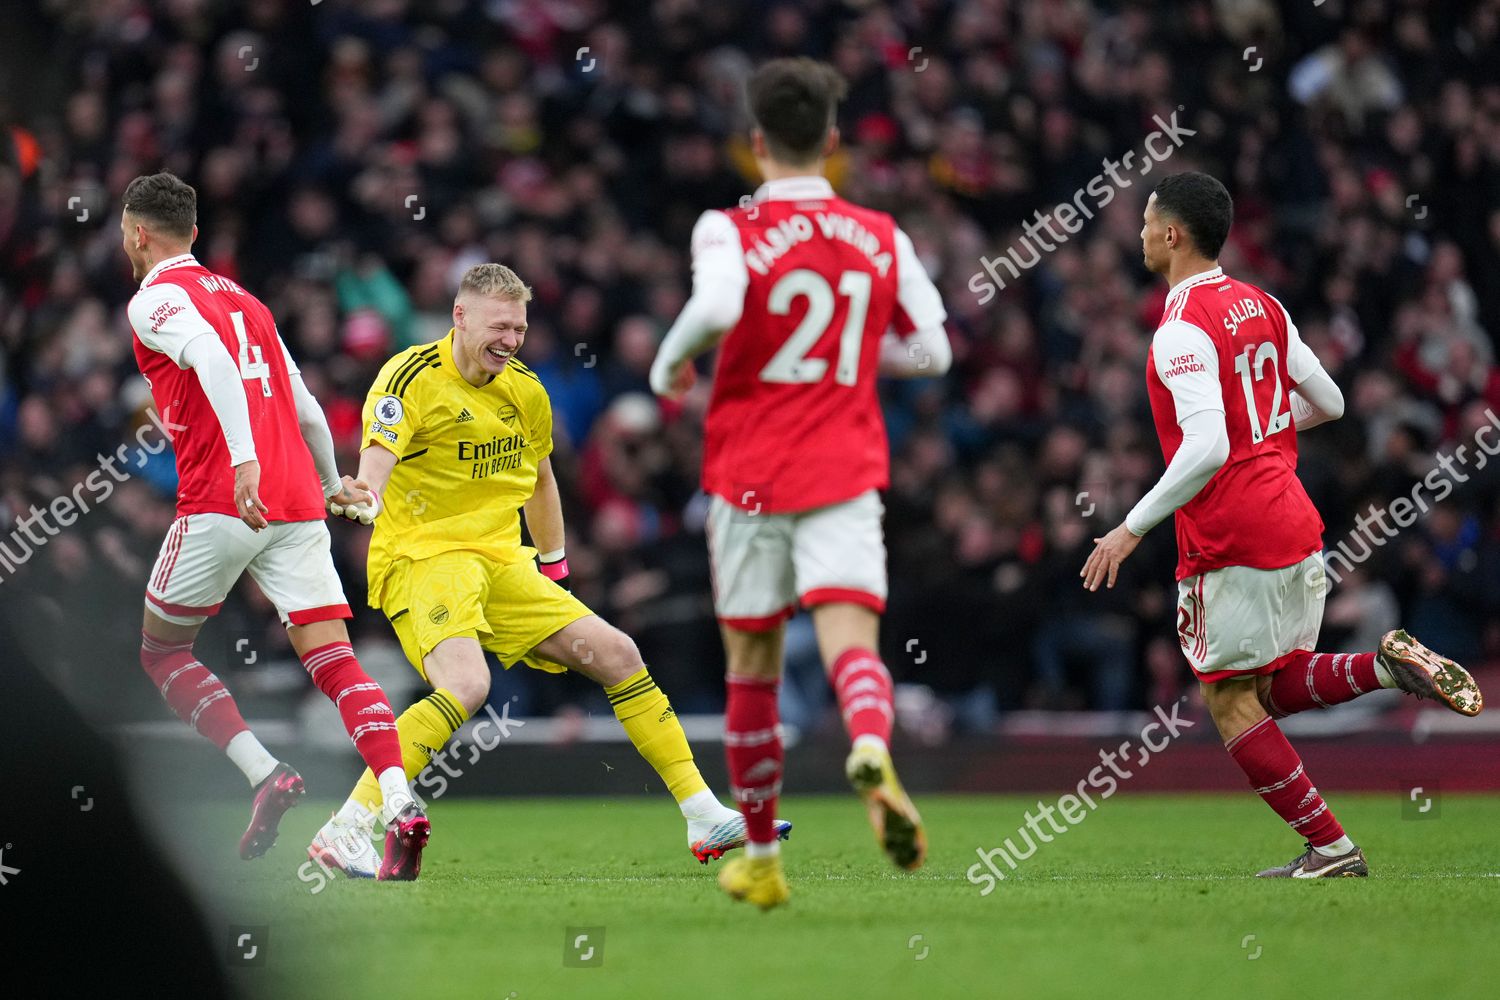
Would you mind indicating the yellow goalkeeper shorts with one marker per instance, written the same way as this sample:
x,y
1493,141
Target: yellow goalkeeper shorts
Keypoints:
x,y
508,607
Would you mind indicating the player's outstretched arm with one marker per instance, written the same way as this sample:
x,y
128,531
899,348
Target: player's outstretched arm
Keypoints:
x,y
344,496
544,520
718,300
314,427
358,498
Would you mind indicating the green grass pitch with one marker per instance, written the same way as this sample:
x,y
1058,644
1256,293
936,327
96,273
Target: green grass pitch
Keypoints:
x,y
1150,896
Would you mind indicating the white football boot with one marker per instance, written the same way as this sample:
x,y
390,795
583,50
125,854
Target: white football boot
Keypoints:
x,y
710,836
345,846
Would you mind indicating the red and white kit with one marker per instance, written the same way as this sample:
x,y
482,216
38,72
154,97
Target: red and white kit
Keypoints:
x,y
1249,570
182,316
795,447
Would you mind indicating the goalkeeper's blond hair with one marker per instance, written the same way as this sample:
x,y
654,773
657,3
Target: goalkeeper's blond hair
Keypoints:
x,y
496,280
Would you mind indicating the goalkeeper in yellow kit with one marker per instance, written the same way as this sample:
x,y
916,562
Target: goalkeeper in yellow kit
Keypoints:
x,y
457,436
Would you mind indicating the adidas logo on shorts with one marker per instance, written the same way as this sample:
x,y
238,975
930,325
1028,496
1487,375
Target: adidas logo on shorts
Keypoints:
x,y
464,415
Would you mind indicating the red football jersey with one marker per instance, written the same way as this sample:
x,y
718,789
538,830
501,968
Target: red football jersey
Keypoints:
x,y
179,301
794,422
1254,511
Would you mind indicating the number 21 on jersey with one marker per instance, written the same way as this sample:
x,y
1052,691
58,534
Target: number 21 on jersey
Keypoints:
x,y
790,365
1280,419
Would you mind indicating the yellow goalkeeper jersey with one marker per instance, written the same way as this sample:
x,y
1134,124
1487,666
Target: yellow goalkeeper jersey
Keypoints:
x,y
467,458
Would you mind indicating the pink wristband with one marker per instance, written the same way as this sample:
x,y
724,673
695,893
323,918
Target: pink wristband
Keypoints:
x,y
555,570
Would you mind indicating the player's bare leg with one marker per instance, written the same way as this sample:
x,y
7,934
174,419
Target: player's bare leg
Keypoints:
x,y
607,656
324,649
1311,681
753,748
848,637
1275,771
458,665
202,701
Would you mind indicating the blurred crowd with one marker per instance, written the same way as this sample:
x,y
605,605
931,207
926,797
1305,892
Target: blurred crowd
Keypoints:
x,y
353,157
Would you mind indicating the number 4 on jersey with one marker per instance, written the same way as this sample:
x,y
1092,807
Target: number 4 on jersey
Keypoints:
x,y
250,370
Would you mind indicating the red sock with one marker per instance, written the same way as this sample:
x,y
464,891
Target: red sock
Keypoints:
x,y
752,745
361,703
1275,772
863,687
1318,680
197,696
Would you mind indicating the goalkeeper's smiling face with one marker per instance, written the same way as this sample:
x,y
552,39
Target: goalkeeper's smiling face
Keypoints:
x,y
487,332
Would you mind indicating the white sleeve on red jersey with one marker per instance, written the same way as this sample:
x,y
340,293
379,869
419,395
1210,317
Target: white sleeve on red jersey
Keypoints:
x,y
915,293
164,319
1188,364
314,427
1315,397
1203,452
219,376
719,282
924,351
313,424
1316,400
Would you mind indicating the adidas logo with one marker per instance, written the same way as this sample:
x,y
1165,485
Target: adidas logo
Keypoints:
x,y
431,752
378,708
464,415
668,714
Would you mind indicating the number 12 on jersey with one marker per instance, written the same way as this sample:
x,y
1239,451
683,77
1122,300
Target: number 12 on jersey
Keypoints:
x,y
1279,419
790,365
251,370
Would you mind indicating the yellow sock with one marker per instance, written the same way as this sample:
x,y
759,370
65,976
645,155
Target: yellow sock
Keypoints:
x,y
423,729
652,726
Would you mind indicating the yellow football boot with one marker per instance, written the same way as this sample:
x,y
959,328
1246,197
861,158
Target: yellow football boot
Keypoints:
x,y
898,827
756,880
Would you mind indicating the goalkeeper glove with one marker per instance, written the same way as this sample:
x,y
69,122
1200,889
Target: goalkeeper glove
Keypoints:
x,y
363,513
